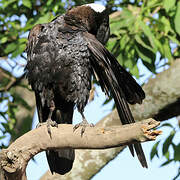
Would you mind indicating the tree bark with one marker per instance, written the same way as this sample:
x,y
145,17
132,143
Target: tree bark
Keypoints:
x,y
13,161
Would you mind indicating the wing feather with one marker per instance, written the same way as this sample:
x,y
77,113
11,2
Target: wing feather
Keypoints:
x,y
115,79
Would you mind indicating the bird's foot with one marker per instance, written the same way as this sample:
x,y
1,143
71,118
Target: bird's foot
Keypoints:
x,y
48,123
83,124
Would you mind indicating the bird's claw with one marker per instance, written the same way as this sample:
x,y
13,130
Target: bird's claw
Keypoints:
x,y
83,124
48,123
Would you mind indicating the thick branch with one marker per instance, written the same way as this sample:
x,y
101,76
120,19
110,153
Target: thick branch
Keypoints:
x,y
162,94
14,160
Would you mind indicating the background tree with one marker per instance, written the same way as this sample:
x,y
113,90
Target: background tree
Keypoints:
x,y
146,32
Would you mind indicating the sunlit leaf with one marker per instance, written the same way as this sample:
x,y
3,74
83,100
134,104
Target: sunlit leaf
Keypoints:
x,y
27,3
147,31
168,4
167,50
135,71
177,19
11,47
20,48
4,39
154,150
168,142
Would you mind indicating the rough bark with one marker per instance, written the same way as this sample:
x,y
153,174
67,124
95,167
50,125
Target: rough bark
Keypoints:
x,y
14,160
162,93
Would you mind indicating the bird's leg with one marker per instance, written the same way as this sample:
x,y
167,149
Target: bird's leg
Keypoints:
x,y
83,124
49,121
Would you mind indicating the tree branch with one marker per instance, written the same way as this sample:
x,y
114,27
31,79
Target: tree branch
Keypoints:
x,y
13,161
162,93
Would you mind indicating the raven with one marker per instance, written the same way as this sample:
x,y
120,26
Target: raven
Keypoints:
x,y
63,55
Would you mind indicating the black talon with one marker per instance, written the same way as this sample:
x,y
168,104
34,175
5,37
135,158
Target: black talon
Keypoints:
x,y
83,124
49,122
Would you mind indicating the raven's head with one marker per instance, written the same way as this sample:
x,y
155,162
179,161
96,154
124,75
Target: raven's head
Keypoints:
x,y
91,17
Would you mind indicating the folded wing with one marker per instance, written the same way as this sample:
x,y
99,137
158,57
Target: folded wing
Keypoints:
x,y
113,78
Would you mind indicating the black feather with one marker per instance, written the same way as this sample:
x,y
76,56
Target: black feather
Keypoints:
x,y
114,78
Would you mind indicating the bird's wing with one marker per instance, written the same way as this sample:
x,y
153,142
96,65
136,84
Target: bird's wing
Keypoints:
x,y
115,79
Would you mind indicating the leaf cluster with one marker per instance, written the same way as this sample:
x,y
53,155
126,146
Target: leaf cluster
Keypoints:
x,y
144,28
169,150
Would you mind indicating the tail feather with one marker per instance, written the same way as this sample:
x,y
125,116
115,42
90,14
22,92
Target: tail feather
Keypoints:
x,y
140,154
60,161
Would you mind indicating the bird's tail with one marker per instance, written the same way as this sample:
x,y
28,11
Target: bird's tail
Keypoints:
x,y
60,161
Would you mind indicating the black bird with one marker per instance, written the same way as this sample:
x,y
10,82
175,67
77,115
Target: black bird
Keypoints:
x,y
63,55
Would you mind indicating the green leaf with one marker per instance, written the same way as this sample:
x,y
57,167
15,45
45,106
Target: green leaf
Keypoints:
x,y
177,19
177,152
167,154
148,33
167,162
143,43
4,39
135,71
167,50
7,3
20,48
124,41
27,3
2,137
10,47
143,56
166,26
168,4
174,40
167,125
168,142
154,150
44,19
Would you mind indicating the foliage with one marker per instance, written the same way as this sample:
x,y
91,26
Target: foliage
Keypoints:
x,y
170,150
140,31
